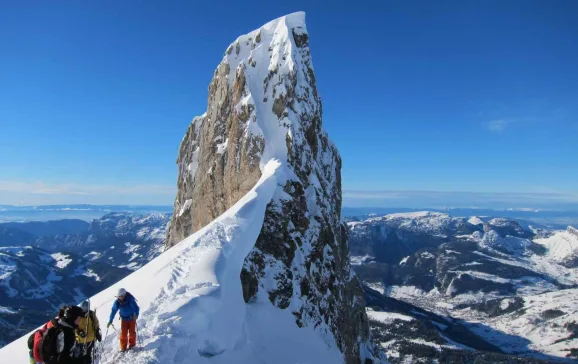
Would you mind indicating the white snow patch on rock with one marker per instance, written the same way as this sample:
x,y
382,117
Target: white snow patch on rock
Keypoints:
x,y
62,260
359,260
185,206
221,147
387,317
474,220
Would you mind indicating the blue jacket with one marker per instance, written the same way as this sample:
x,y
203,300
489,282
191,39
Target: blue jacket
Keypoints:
x,y
127,308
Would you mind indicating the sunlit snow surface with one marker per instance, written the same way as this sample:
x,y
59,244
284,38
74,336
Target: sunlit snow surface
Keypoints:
x,y
62,260
387,317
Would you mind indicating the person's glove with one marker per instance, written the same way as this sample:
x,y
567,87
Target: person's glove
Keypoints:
x,y
98,335
134,317
108,325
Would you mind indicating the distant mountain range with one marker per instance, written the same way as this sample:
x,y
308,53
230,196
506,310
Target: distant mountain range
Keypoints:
x,y
551,219
554,219
9,213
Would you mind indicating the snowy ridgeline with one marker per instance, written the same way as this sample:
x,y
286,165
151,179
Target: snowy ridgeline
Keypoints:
x,y
192,304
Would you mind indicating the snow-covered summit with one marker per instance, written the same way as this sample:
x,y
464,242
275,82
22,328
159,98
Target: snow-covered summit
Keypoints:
x,y
281,36
475,220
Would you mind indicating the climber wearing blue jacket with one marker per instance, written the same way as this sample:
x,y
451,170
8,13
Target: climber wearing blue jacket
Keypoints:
x,y
129,311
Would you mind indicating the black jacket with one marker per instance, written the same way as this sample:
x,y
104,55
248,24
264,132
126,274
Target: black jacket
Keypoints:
x,y
66,343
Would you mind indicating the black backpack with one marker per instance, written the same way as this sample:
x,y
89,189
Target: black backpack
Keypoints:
x,y
52,343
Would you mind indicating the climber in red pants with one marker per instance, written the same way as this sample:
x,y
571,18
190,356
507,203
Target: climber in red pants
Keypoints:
x,y
129,310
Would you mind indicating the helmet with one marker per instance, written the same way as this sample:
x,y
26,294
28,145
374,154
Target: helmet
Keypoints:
x,y
84,306
121,292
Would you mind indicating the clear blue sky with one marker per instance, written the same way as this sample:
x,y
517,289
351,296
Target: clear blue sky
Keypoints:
x,y
478,96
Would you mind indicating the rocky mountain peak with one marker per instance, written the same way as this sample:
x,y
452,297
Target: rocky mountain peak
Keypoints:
x,y
263,106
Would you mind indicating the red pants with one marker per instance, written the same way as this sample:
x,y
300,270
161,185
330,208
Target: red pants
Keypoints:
x,y
127,333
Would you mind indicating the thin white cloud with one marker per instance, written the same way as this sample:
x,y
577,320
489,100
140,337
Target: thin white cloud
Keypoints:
x,y
499,125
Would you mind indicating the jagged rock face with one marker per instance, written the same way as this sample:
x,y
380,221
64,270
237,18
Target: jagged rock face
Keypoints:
x,y
263,104
227,161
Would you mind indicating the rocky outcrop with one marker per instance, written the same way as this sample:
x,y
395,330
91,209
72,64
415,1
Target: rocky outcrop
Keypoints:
x,y
263,105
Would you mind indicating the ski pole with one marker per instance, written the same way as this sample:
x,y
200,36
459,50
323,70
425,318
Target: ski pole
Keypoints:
x,y
138,340
86,329
94,352
102,343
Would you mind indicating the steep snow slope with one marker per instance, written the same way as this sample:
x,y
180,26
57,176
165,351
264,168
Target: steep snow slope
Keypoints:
x,y
192,303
